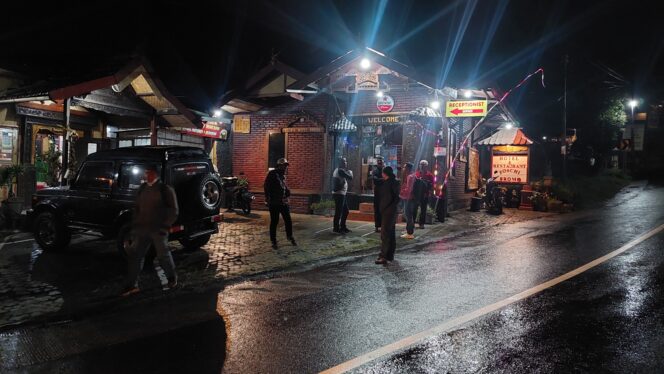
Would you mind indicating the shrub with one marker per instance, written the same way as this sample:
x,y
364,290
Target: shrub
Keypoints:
x,y
323,204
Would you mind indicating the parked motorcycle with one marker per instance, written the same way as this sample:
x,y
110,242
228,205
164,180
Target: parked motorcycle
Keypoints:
x,y
243,197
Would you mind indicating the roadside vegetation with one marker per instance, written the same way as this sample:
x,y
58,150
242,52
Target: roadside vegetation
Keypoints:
x,y
590,191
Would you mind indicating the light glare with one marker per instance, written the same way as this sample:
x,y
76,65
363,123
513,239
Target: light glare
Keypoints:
x,y
365,63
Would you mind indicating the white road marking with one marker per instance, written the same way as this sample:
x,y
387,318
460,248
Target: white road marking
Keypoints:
x,y
456,322
369,233
319,231
19,241
361,226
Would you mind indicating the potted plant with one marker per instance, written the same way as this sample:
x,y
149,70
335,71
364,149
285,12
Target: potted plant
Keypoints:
x,y
323,208
9,176
540,201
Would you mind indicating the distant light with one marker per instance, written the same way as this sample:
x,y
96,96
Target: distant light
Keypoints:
x,y
217,113
379,94
633,103
468,94
509,125
135,170
544,138
365,63
435,104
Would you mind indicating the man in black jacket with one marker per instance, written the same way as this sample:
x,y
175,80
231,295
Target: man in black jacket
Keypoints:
x,y
276,198
377,178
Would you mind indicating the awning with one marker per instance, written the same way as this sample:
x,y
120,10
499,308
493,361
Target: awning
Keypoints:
x,y
343,124
507,137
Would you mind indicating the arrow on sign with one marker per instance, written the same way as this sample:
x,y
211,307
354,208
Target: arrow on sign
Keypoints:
x,y
457,111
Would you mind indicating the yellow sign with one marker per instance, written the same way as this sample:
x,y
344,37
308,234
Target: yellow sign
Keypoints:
x,y
242,124
466,108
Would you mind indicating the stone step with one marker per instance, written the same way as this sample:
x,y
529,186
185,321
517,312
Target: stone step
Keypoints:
x,y
366,208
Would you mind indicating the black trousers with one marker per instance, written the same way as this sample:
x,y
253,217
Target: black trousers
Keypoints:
x,y
422,205
388,237
340,211
377,216
284,210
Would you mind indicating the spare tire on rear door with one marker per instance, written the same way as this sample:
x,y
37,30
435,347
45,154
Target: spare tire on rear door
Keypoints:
x,y
203,195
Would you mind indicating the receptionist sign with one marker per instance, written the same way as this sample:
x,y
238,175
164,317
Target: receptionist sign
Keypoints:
x,y
511,168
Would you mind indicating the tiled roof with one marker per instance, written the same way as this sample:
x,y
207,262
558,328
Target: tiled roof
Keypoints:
x,y
343,124
507,137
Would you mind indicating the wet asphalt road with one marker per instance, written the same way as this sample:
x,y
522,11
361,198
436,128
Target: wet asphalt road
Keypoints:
x,y
606,319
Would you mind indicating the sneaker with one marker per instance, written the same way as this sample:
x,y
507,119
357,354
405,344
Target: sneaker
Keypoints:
x,y
292,240
129,290
377,229
408,236
345,230
404,235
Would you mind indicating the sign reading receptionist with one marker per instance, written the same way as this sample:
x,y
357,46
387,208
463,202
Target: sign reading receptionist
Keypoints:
x,y
511,168
390,119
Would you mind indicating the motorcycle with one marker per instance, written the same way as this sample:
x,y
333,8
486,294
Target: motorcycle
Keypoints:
x,y
243,197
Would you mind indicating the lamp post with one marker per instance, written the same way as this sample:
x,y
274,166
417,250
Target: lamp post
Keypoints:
x,y
632,104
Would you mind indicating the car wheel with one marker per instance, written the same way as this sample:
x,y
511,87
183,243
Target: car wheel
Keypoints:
x,y
191,244
50,233
205,194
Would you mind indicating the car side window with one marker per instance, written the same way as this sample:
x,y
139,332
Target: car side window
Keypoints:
x,y
95,175
131,175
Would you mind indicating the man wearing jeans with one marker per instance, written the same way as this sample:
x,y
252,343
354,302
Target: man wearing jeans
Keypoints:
x,y
340,178
406,195
156,210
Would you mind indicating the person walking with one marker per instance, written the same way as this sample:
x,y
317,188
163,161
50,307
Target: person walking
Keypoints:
x,y
422,190
276,198
389,203
341,176
155,212
377,178
410,203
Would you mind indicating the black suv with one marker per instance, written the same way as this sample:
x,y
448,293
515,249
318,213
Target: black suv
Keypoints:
x,y
103,194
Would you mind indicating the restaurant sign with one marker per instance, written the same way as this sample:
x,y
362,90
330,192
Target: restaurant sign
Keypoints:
x,y
385,104
210,130
510,168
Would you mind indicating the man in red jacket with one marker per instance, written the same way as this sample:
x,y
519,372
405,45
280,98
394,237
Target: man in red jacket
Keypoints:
x,y
422,198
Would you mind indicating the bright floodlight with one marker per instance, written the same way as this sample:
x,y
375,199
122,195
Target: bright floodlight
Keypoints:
x,y
217,113
365,63
509,125
435,104
633,103
379,94
468,94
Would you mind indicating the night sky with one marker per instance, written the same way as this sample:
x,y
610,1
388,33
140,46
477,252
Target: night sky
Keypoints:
x,y
203,49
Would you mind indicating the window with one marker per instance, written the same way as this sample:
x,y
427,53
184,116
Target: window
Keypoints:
x,y
7,145
131,175
92,148
276,148
95,175
183,173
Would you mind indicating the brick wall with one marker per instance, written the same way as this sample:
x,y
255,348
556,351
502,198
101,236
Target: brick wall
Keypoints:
x,y
305,155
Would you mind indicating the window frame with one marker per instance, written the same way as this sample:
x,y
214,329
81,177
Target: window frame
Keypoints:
x,y
77,182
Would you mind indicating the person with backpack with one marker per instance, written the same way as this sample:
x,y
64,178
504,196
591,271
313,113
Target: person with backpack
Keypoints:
x,y
422,190
406,195
156,211
340,178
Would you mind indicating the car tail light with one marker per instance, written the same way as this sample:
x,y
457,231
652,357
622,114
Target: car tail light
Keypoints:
x,y
175,229
217,218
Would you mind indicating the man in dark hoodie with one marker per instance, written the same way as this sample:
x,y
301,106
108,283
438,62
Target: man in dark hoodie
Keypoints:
x,y
156,210
276,198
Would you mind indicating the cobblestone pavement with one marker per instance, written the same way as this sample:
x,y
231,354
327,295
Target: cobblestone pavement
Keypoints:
x,y
86,278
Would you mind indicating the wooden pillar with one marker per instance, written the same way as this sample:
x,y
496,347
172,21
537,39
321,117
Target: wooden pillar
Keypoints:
x,y
153,130
65,142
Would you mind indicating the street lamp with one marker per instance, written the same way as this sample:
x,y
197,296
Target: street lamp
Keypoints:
x,y
435,105
509,125
365,63
379,94
216,113
468,94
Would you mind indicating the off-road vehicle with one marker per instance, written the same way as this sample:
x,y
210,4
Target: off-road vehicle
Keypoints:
x,y
102,196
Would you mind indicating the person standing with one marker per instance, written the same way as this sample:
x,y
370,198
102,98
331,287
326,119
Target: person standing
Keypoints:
x,y
422,191
156,211
410,203
341,177
377,178
276,198
389,204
